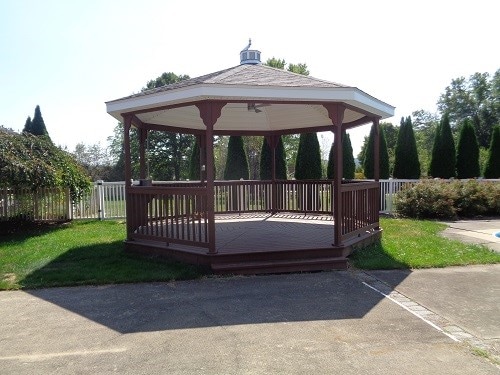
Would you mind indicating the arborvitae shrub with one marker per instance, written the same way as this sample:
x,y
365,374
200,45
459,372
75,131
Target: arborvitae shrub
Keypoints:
x,y
492,169
237,162
467,152
369,163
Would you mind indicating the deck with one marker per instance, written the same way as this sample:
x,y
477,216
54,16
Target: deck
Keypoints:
x,y
262,243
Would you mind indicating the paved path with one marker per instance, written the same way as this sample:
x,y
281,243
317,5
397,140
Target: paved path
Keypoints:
x,y
318,323
475,231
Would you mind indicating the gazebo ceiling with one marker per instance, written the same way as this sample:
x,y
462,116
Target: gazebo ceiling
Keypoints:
x,y
260,99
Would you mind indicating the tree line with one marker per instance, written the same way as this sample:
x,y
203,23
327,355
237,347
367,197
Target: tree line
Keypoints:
x,y
463,142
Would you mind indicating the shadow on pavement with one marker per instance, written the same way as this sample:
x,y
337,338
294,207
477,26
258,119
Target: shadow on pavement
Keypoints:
x,y
216,302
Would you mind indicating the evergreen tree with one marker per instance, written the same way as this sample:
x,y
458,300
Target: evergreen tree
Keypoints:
x,y
349,165
194,162
28,125
443,159
492,169
38,125
467,152
266,172
237,162
369,163
331,162
406,164
308,162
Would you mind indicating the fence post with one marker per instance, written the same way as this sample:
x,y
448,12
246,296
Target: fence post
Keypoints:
x,y
101,214
391,196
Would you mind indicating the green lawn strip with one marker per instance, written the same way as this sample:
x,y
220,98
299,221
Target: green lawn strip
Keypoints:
x,y
79,253
410,243
91,253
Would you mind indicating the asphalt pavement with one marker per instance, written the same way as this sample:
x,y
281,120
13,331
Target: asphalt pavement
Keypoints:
x,y
348,322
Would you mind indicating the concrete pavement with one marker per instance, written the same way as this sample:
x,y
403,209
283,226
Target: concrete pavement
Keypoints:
x,y
475,231
321,323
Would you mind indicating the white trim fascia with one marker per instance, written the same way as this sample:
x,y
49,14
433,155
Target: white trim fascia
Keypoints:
x,y
349,95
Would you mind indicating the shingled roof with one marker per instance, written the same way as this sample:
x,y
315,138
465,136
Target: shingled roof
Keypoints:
x,y
285,101
249,75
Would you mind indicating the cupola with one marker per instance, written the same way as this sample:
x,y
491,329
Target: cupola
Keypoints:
x,y
249,56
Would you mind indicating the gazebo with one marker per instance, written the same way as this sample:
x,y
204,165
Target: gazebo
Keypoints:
x,y
179,220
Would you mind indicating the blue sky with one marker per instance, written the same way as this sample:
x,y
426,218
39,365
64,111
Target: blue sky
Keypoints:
x,y
70,57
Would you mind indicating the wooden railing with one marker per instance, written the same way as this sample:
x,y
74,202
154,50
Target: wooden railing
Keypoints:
x,y
177,213
168,214
360,208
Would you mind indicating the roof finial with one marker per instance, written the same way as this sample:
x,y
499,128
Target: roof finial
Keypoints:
x,y
249,44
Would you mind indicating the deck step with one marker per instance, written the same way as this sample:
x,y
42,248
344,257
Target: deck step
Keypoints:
x,y
280,266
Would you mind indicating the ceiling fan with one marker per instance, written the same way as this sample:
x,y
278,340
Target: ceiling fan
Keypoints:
x,y
255,107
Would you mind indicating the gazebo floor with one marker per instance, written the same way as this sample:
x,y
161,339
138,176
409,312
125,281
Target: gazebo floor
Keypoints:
x,y
263,243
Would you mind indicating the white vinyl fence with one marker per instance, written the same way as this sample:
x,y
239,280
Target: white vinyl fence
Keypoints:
x,y
44,204
106,200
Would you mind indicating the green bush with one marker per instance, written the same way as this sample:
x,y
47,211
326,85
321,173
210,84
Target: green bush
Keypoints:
x,y
437,199
427,199
471,198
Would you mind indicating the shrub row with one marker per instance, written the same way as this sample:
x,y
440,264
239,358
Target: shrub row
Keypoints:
x,y
437,199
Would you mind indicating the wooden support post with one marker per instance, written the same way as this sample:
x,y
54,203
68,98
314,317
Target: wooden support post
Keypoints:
x,y
376,166
376,151
127,123
336,114
210,111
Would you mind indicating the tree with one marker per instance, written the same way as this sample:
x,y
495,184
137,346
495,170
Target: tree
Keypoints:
x,y
369,162
348,166
32,161
476,97
298,68
37,124
330,167
492,169
308,162
166,78
28,126
467,152
276,63
406,163
266,161
95,160
237,162
253,148
194,162
167,152
390,136
291,146
443,159
424,125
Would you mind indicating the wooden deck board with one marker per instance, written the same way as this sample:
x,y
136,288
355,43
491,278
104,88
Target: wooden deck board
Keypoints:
x,y
248,233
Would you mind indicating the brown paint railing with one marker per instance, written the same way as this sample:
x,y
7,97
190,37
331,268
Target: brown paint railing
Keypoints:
x,y
178,212
308,196
312,196
169,214
243,196
360,207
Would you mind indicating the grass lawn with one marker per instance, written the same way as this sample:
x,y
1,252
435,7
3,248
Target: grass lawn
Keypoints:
x,y
78,253
91,252
410,243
